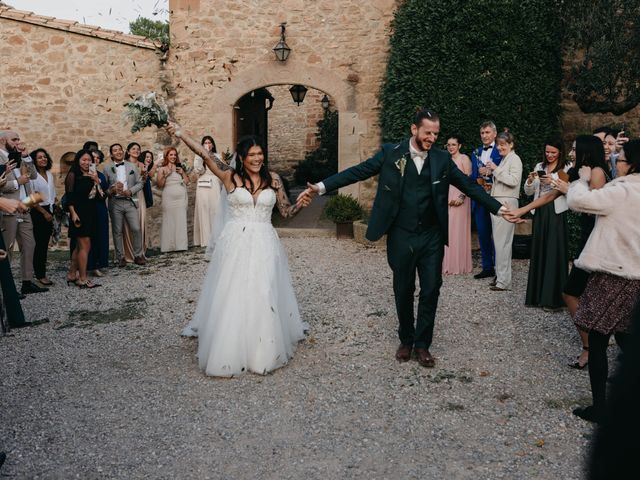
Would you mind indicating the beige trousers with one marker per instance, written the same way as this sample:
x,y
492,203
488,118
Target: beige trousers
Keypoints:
x,y
21,231
503,240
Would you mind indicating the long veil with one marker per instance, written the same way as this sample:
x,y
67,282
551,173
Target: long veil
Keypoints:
x,y
219,217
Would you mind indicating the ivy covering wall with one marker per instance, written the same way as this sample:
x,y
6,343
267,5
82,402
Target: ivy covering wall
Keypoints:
x,y
473,61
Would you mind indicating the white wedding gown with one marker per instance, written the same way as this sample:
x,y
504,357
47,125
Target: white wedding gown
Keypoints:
x,y
247,316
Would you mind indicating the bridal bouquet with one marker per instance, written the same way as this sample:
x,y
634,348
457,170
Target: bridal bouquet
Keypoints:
x,y
146,110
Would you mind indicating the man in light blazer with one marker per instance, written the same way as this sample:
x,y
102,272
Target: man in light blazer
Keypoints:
x,y
18,227
411,207
124,183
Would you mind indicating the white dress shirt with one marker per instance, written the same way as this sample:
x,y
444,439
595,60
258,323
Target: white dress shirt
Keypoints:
x,y
121,175
46,187
486,154
417,156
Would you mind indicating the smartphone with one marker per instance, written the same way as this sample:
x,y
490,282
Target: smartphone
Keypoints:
x,y
541,173
3,168
92,168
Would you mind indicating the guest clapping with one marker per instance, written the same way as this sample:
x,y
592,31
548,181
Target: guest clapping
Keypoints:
x,y
82,186
457,255
172,179
42,214
505,189
124,183
133,155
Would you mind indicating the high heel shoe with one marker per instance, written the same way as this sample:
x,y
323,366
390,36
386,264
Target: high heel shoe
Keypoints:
x,y
88,284
577,365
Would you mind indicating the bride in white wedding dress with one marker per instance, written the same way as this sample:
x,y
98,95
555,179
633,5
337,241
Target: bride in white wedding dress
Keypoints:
x,y
247,316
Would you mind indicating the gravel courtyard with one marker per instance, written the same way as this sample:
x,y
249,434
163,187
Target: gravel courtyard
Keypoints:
x,y
109,389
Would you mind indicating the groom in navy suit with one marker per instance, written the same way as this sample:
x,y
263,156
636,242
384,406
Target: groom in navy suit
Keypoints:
x,y
411,207
482,175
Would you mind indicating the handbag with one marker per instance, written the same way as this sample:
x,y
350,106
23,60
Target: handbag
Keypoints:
x,y
205,183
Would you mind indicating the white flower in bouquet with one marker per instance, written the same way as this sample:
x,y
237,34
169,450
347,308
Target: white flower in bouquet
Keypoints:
x,y
146,110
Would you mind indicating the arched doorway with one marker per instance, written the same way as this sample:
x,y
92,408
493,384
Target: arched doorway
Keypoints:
x,y
342,92
300,136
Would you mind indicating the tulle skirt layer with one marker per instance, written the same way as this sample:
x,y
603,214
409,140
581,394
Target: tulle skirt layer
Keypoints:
x,y
247,317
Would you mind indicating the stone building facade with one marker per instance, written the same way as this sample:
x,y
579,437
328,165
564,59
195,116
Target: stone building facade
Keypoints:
x,y
292,128
62,83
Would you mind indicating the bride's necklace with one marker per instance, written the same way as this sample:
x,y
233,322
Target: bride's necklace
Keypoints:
x,y
258,186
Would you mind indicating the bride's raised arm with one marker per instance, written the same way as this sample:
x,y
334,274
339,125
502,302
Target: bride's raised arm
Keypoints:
x,y
217,166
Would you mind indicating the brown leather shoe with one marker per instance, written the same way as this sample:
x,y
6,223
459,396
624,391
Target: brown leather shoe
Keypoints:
x,y
425,358
403,354
122,263
139,261
495,288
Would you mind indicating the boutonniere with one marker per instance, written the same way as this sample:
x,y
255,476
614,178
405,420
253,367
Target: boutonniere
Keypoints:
x,y
131,173
401,163
113,169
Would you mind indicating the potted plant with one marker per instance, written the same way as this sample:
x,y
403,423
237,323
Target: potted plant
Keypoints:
x,y
343,210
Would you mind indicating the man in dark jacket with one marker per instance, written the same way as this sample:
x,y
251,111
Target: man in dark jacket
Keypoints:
x,y
411,207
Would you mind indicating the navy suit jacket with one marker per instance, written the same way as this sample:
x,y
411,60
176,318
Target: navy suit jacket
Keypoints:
x,y
387,163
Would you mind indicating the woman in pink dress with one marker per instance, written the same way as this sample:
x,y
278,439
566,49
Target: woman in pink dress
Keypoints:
x,y
457,256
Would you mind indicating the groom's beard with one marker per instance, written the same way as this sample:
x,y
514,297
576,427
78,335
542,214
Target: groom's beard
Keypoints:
x,y
423,145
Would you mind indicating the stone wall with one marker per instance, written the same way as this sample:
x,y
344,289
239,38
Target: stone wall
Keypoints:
x,y
223,49
292,128
62,83
60,88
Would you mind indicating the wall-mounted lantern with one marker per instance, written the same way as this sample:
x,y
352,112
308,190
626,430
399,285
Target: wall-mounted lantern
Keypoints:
x,y
282,50
297,93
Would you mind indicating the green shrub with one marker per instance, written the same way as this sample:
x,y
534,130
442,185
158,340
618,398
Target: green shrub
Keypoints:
x,y
343,208
473,61
323,161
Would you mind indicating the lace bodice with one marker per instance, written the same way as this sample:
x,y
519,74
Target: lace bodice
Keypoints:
x,y
242,207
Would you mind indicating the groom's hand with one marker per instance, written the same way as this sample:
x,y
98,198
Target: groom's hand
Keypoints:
x,y
308,194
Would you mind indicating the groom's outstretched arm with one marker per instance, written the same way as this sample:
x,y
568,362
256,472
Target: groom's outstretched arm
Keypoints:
x,y
357,173
472,189
362,171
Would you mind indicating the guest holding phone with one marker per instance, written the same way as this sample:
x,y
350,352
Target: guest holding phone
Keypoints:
x,y
82,186
549,266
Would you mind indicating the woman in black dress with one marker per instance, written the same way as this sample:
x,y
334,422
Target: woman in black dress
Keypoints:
x,y
549,266
82,187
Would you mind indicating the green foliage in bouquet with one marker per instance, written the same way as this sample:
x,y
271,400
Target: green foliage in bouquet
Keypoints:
x,y
146,110
343,208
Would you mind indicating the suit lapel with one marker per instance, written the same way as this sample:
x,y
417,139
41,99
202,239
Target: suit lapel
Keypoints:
x,y
403,152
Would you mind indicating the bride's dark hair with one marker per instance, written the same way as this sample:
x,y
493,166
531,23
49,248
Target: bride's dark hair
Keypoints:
x,y
242,150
